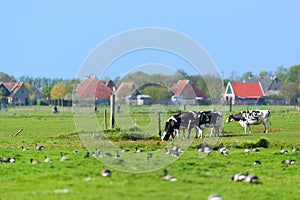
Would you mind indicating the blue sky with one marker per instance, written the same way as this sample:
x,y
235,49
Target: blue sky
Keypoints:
x,y
54,38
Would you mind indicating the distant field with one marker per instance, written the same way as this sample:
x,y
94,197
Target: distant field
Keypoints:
x,y
198,176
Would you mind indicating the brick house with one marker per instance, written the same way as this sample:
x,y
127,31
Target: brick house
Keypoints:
x,y
247,93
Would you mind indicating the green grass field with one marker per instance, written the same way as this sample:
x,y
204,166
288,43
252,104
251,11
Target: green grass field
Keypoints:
x,y
198,175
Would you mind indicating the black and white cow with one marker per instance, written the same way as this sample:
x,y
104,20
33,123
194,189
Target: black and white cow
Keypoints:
x,y
251,117
192,119
213,120
183,120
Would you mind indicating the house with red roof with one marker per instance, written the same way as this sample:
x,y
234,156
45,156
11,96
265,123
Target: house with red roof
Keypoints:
x,y
93,89
187,93
248,93
14,93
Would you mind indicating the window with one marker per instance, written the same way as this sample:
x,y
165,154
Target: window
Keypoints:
x,y
229,90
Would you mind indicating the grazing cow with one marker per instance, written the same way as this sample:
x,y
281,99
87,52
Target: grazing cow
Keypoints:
x,y
252,117
213,120
184,120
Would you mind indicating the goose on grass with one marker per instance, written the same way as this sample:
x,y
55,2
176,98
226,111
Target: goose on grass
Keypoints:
x,y
168,177
139,150
283,150
255,150
24,149
37,147
87,155
257,162
214,197
148,156
47,159
8,160
288,162
124,150
105,172
246,150
295,149
117,154
34,162
251,178
63,158
238,177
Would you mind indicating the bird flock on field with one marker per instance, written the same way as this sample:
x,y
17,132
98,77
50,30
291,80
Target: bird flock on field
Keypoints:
x,y
174,151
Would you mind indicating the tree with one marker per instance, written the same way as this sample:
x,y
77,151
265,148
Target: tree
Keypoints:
x,y
70,85
263,74
281,73
156,92
46,90
293,74
233,76
182,73
213,86
289,92
58,91
247,75
6,78
225,82
32,91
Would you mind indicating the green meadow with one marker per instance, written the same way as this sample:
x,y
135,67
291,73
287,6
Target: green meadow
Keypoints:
x,y
198,175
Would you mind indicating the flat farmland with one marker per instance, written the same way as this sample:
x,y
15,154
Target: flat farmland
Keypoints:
x,y
197,175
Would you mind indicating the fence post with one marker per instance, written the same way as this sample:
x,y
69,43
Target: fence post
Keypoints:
x,y
159,126
112,111
230,105
105,120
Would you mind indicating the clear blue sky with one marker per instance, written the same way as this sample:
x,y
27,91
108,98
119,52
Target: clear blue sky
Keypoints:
x,y
53,38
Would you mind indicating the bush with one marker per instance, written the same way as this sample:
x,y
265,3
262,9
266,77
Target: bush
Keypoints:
x,y
262,142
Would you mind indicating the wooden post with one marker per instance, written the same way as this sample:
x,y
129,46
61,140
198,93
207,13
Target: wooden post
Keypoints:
x,y
112,111
159,126
230,105
105,120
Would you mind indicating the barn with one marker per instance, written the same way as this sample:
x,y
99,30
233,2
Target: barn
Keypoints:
x,y
244,93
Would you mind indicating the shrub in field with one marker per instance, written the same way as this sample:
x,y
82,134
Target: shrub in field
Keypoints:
x,y
262,142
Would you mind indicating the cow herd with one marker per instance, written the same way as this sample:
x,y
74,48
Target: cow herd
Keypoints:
x,y
213,120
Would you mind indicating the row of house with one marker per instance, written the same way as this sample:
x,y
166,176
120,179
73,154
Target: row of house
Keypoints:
x,y
252,91
183,92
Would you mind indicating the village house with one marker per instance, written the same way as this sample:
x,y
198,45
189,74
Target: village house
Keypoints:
x,y
14,93
187,93
93,89
270,84
247,93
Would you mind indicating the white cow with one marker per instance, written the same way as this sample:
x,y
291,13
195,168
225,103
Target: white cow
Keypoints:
x,y
252,117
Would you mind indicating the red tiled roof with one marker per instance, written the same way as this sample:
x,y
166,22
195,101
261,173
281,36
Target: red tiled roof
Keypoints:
x,y
93,88
179,87
247,89
187,89
13,87
198,92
